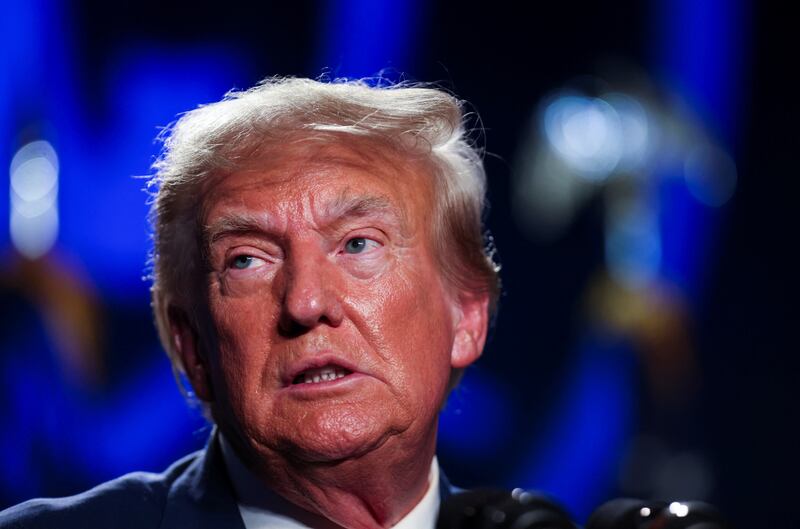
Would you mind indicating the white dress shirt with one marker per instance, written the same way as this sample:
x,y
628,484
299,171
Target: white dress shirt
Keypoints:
x,y
261,508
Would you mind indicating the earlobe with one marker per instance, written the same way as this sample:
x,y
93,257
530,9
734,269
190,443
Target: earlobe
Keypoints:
x,y
471,330
186,344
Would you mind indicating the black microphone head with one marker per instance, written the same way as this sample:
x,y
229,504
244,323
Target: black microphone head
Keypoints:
x,y
499,509
629,513
692,515
466,509
622,513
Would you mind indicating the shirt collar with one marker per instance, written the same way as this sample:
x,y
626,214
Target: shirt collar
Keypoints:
x,y
261,508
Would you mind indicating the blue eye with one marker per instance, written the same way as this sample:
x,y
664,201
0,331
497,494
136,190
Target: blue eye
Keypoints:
x,y
242,261
356,245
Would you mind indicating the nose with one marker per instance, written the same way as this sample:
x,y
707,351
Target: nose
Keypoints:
x,y
311,294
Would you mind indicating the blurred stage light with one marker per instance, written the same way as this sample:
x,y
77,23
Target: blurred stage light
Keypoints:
x,y
678,509
34,199
634,130
548,193
633,245
625,143
479,399
584,433
628,139
586,133
710,174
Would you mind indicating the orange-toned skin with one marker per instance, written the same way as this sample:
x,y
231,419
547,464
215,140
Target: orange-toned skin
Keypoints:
x,y
288,289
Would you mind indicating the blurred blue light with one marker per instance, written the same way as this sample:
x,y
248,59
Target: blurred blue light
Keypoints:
x,y
699,50
51,425
477,414
685,227
144,419
34,194
584,437
103,203
586,133
28,388
363,37
21,59
635,129
142,422
633,245
710,175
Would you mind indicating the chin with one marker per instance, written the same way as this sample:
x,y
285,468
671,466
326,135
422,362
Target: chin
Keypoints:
x,y
334,437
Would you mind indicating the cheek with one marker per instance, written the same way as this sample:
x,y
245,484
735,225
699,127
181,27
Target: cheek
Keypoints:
x,y
413,324
242,326
241,310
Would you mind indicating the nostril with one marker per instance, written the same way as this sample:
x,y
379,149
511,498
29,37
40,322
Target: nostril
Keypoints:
x,y
300,316
310,294
291,328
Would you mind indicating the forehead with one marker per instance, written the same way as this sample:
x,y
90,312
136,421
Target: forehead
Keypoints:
x,y
324,177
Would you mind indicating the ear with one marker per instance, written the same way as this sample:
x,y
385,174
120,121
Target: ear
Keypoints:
x,y
471,329
187,345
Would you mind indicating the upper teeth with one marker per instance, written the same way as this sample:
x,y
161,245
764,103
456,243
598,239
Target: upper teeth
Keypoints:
x,y
322,374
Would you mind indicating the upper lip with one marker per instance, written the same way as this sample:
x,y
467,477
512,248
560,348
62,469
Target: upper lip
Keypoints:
x,y
315,362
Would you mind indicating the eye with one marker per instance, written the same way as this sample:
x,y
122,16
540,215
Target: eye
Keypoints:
x,y
242,262
359,245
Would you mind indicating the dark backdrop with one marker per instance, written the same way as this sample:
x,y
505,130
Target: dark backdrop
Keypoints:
x,y
695,398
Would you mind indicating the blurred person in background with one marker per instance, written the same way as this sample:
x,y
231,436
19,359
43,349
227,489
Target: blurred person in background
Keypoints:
x,y
320,281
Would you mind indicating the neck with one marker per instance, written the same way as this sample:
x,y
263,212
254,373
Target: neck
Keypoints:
x,y
371,491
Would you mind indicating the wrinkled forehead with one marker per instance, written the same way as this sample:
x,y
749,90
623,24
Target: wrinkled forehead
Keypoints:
x,y
328,170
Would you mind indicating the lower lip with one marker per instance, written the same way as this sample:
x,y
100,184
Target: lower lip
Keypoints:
x,y
326,386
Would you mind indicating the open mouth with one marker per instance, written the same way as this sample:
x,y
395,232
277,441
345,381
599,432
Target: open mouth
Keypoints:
x,y
321,374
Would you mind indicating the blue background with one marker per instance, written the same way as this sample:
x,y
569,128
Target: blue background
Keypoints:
x,y
561,402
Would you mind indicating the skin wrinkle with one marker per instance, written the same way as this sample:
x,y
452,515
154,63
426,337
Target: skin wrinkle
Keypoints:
x,y
346,207
340,453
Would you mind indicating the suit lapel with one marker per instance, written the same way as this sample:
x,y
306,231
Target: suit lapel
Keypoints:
x,y
202,498
446,489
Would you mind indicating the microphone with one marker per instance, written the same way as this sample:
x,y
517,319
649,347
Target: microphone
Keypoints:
x,y
629,513
500,509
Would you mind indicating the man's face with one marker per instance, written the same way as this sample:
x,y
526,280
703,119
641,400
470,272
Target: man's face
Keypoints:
x,y
334,330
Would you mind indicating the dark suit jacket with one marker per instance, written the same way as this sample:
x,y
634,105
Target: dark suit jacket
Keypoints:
x,y
195,492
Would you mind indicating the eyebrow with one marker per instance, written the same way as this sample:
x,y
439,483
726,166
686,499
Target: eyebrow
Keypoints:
x,y
344,208
234,224
347,206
